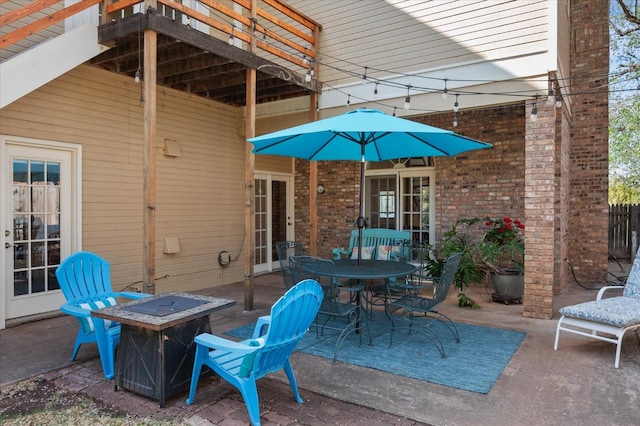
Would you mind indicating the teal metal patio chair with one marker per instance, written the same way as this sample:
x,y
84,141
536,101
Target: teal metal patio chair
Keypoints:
x,y
341,310
423,294
242,363
85,280
285,250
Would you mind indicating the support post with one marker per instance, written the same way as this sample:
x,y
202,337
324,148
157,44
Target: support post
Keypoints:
x,y
313,184
249,178
149,164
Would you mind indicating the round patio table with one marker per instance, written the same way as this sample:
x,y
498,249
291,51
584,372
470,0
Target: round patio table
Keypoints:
x,y
369,269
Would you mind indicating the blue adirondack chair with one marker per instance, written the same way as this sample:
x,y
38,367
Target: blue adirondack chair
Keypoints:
x,y
242,363
85,280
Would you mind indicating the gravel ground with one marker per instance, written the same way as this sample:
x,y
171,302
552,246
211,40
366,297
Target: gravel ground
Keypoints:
x,y
37,401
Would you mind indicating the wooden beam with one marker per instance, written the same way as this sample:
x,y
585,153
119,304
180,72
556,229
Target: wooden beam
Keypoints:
x,y
313,185
249,181
149,162
313,165
110,32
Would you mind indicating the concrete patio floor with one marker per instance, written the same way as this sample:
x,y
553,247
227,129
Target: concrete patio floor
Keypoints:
x,y
576,385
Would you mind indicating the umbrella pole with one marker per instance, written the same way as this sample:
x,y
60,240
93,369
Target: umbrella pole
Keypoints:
x,y
361,222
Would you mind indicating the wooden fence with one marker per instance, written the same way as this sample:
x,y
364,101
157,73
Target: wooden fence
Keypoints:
x,y
624,230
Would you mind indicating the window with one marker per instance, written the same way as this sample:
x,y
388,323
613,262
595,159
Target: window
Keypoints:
x,y
387,204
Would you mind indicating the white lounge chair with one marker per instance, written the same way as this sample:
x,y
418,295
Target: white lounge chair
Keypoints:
x,y
606,319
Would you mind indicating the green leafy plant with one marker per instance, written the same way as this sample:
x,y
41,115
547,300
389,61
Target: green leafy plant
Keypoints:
x,y
459,239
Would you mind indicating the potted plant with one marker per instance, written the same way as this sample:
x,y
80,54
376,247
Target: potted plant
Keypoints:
x,y
460,239
501,252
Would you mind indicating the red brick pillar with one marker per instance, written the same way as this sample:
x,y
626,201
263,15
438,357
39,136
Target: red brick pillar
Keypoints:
x,y
589,218
539,206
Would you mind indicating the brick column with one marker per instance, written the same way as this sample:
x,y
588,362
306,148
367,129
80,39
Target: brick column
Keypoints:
x,y
589,220
539,202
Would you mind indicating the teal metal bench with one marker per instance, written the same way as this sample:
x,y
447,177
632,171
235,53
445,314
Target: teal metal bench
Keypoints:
x,y
377,243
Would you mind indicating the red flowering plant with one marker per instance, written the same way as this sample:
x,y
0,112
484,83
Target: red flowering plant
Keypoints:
x,y
502,247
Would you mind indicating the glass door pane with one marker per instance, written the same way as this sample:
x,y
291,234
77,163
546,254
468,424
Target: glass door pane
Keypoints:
x,y
260,243
416,207
382,201
36,226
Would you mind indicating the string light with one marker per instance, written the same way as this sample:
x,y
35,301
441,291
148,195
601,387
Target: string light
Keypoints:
x,y
307,77
364,76
455,120
455,104
407,100
522,94
551,99
138,77
231,39
348,100
375,91
534,111
394,111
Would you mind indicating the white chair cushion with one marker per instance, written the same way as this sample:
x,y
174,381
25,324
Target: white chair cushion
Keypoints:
x,y
616,311
87,323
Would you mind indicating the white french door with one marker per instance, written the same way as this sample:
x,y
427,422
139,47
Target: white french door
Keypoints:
x,y
403,200
36,217
273,218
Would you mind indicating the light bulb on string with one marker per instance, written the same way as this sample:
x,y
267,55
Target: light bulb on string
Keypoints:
x,y
455,120
407,100
534,111
375,91
394,111
364,76
551,99
348,100
231,40
455,104
445,90
138,76
558,100
307,77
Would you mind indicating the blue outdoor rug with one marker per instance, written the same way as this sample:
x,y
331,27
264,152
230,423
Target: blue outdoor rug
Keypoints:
x,y
474,364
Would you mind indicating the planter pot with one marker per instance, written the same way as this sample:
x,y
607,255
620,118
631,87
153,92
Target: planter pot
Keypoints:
x,y
508,287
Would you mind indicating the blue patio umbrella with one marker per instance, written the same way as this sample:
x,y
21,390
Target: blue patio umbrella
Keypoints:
x,y
363,135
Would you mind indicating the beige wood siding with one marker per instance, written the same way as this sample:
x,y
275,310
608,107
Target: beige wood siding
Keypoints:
x,y
199,194
276,163
403,36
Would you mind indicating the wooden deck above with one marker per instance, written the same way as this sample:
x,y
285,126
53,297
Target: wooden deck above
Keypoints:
x,y
204,51
192,61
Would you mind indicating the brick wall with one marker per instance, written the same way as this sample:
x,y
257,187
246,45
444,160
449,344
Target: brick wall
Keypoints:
x,y
481,183
588,222
541,212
